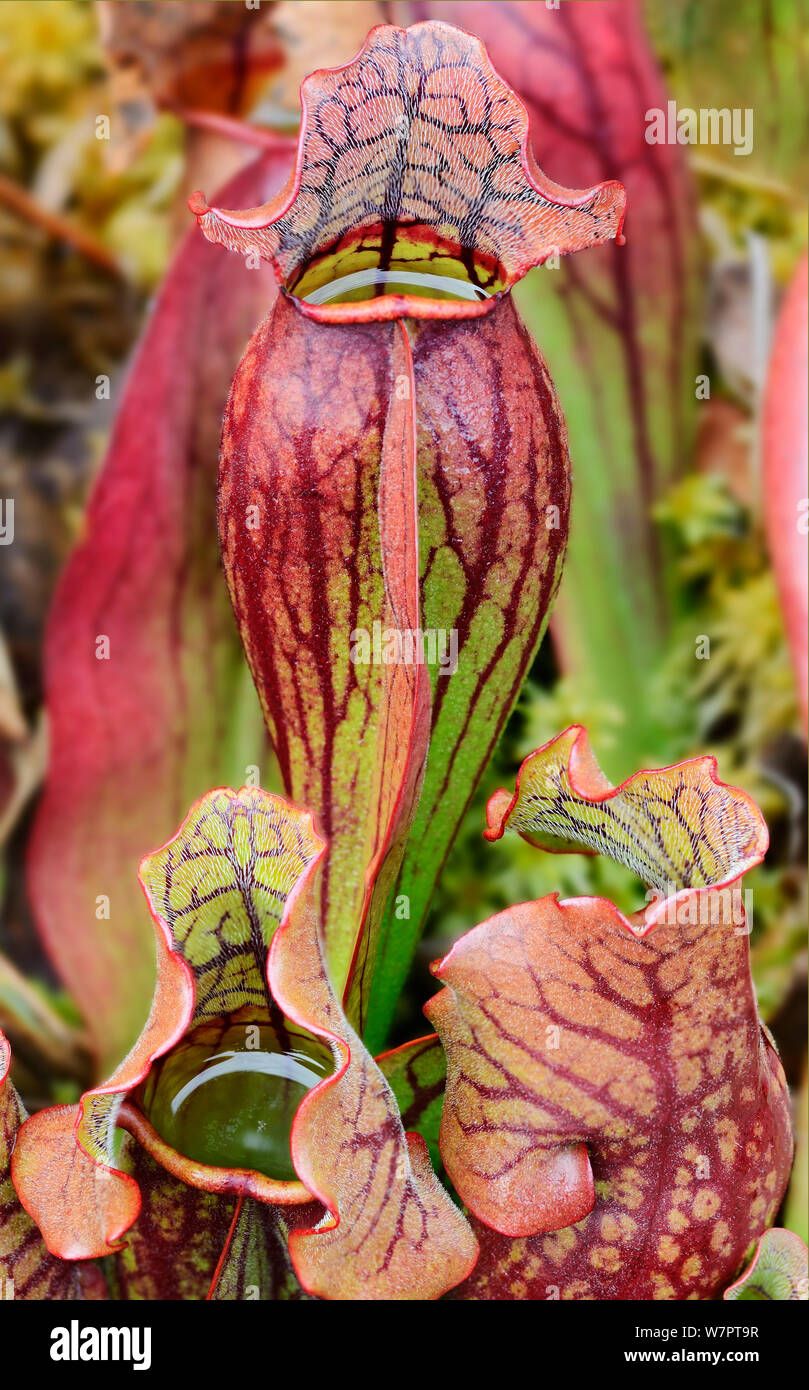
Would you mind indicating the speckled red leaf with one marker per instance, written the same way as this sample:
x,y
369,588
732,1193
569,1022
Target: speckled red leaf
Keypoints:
x,y
608,1079
28,1271
135,737
785,426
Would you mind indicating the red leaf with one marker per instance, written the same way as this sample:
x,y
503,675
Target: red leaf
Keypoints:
x,y
136,737
27,1270
569,1025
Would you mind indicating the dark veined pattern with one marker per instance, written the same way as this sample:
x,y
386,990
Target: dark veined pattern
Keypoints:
x,y
419,130
220,887
217,892
678,827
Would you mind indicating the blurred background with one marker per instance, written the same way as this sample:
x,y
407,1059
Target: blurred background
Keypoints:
x,y
678,360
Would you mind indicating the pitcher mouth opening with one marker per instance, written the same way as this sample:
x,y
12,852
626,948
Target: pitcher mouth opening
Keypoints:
x,y
224,1100
413,161
394,270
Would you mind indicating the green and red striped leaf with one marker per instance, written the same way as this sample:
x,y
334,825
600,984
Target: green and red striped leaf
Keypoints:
x,y
494,495
612,1100
416,1073
317,508
255,1264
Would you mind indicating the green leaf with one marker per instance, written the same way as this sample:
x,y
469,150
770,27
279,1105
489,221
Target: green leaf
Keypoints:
x,y
777,1271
